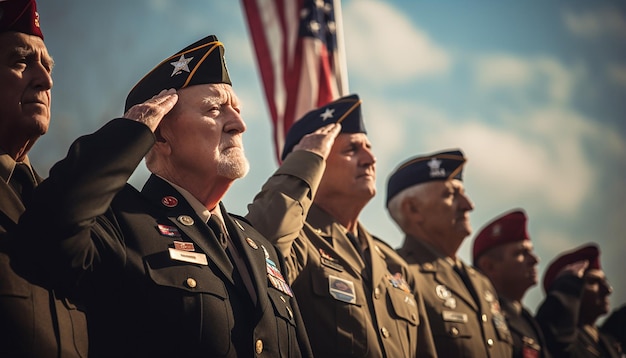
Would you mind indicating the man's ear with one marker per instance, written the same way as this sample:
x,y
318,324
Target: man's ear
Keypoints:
x,y
157,134
162,145
486,265
411,209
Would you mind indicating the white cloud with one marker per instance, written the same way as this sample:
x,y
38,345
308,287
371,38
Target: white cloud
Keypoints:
x,y
500,71
595,23
374,29
537,156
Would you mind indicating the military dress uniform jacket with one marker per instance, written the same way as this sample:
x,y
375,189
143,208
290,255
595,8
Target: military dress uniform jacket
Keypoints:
x,y
154,279
34,322
558,317
461,326
353,304
528,340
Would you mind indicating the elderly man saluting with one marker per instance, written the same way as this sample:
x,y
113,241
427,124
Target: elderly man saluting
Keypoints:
x,y
165,271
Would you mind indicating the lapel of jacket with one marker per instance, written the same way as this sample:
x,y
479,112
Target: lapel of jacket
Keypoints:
x,y
335,236
514,320
379,267
445,274
156,189
252,253
10,204
441,270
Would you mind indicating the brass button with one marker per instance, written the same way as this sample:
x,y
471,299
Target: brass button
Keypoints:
x,y
490,342
484,318
191,283
259,346
454,331
385,332
377,293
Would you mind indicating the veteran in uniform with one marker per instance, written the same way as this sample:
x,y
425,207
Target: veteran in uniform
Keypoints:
x,y
357,297
577,294
165,271
34,322
502,251
427,200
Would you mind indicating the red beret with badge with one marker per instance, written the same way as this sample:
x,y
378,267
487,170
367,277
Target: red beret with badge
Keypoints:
x,y
20,16
589,253
509,227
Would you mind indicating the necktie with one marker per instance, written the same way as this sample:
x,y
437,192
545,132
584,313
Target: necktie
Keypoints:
x,y
22,181
216,227
231,250
463,275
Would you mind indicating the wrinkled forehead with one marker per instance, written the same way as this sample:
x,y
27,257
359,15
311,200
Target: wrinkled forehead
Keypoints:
x,y
11,40
352,138
211,93
519,245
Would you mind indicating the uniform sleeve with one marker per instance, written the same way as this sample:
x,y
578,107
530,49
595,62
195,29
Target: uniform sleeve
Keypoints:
x,y
279,211
67,227
558,314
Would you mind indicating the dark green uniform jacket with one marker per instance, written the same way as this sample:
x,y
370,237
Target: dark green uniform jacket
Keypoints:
x,y
461,325
354,304
155,280
34,322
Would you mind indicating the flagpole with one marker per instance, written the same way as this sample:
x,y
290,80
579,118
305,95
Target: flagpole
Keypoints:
x,y
343,80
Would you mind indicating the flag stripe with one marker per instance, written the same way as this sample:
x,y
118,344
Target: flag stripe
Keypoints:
x,y
299,60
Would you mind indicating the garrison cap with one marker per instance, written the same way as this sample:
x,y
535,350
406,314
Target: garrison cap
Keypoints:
x,y
199,63
443,165
589,253
509,227
20,16
345,110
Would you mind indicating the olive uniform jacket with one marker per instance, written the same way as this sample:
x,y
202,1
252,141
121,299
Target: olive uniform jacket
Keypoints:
x,y
154,277
34,322
558,317
353,304
528,340
461,325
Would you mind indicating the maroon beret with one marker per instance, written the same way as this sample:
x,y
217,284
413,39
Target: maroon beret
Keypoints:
x,y
508,227
589,253
20,16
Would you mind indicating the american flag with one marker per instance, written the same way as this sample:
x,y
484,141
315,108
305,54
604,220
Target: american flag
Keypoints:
x,y
299,51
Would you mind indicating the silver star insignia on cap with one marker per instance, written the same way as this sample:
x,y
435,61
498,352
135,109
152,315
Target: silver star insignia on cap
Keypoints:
x,y
181,65
328,113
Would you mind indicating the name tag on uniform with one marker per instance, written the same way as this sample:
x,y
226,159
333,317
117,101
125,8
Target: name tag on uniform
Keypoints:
x,y
186,256
451,316
341,289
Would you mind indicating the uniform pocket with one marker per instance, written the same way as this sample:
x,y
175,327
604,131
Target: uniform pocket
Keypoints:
x,y
404,306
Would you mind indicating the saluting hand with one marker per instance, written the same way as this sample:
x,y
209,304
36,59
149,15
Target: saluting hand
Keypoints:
x,y
152,111
321,141
576,269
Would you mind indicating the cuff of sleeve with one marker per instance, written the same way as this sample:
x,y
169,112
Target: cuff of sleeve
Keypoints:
x,y
304,165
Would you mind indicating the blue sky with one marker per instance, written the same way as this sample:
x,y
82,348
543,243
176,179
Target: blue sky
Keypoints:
x,y
533,92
